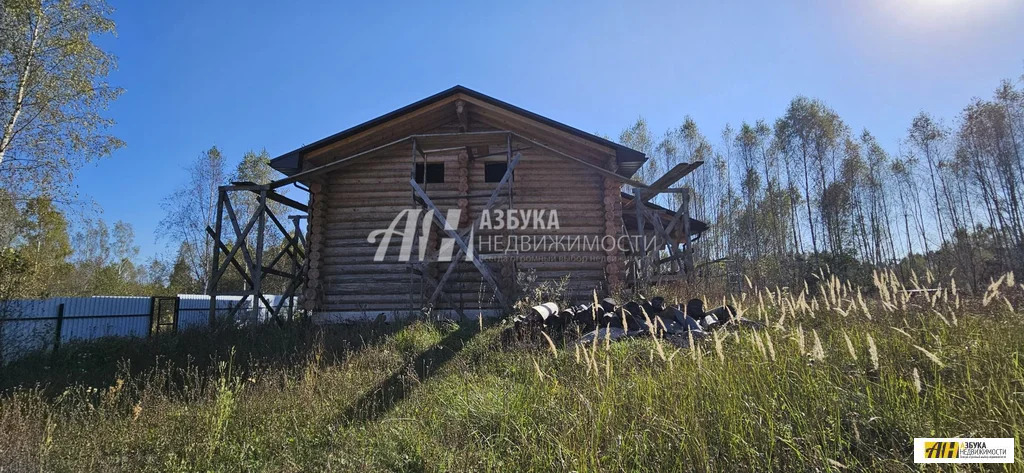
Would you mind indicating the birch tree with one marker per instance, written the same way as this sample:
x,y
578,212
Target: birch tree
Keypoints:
x,y
53,91
193,207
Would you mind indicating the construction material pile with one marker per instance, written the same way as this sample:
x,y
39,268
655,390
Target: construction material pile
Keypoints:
x,y
608,318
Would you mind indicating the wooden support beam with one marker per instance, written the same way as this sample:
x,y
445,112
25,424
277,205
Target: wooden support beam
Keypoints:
x,y
641,256
241,243
509,165
687,244
684,209
661,185
257,265
659,229
673,175
275,272
499,153
419,269
288,294
211,288
241,272
505,180
254,270
444,278
274,196
298,231
449,230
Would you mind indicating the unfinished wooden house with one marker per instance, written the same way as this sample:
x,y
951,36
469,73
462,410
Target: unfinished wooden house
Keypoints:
x,y
461,150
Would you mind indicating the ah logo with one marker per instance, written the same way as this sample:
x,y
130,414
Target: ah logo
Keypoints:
x,y
941,449
963,450
382,237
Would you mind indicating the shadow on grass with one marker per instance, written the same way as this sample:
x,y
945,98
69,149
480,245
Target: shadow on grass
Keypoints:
x,y
101,362
380,399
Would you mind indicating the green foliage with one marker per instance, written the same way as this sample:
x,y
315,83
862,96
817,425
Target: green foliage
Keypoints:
x,y
53,92
182,280
819,390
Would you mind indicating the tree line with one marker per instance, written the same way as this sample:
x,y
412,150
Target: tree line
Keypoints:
x,y
42,254
783,197
53,97
786,197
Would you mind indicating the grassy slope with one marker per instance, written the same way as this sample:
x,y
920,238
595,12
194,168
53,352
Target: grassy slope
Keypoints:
x,y
436,397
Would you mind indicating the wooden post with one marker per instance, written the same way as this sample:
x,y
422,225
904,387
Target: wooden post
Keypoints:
x,y
641,256
59,329
687,247
257,267
415,290
509,267
211,288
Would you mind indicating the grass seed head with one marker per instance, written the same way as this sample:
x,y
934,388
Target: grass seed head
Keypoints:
x,y
819,351
931,356
872,352
769,345
849,346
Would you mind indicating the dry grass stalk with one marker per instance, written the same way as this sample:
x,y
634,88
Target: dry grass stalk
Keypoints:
x,y
718,347
540,374
819,351
760,345
902,332
849,346
872,352
551,344
931,356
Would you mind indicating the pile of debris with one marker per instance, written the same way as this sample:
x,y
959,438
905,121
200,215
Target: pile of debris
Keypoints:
x,y
609,319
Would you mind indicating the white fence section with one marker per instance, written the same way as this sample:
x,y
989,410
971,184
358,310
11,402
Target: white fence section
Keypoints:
x,y
28,325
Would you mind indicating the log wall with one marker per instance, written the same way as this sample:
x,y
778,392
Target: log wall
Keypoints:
x,y
353,201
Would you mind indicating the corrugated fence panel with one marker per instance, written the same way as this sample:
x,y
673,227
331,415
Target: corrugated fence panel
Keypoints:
x,y
87,318
194,309
20,333
28,325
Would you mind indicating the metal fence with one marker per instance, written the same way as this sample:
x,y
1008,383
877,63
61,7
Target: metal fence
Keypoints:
x,y
28,325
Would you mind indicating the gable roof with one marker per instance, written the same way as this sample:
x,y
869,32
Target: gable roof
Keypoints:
x,y
628,159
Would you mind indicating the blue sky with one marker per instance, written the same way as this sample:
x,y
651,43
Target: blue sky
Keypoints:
x,y
277,75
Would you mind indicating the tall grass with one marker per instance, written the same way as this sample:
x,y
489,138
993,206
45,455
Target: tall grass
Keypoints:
x,y
840,380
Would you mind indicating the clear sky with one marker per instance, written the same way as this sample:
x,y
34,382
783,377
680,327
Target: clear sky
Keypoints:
x,y
248,75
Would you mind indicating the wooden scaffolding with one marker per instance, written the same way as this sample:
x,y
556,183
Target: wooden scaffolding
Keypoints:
x,y
667,235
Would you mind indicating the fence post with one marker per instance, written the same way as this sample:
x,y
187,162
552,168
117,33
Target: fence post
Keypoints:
x,y
152,311
59,328
177,305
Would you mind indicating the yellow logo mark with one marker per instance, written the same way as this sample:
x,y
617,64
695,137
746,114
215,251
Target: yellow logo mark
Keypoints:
x,y
941,449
